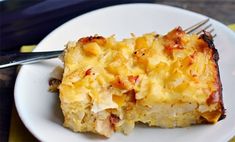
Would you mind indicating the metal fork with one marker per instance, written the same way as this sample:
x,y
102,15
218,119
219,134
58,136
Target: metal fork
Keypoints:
x,y
200,27
11,59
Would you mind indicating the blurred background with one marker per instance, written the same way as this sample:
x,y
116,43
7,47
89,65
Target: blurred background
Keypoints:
x,y
28,21
25,22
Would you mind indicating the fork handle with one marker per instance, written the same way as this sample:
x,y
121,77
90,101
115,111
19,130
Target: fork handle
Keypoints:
x,y
16,58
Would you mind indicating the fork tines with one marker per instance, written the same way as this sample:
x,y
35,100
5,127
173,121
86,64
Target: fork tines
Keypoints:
x,y
200,27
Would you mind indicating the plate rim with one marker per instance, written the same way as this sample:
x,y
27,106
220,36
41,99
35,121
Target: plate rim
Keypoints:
x,y
16,102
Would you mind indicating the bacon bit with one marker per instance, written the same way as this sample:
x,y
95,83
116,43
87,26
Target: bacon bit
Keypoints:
x,y
131,95
98,39
133,79
88,72
213,98
177,45
191,57
118,83
114,119
169,49
190,62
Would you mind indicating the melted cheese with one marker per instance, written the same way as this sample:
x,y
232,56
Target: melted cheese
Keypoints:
x,y
169,72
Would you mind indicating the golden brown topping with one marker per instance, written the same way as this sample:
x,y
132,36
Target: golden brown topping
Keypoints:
x,y
203,47
188,61
174,34
208,38
131,95
118,83
170,48
133,79
173,40
213,98
98,39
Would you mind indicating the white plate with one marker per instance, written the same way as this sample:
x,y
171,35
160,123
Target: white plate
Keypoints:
x,y
39,109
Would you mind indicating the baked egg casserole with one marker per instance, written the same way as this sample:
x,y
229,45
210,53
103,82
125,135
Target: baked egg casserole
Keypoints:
x,y
166,81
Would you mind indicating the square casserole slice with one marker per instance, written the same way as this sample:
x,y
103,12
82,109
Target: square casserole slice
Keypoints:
x,y
167,81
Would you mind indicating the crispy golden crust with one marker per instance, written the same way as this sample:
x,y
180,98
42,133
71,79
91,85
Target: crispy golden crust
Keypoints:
x,y
206,46
216,97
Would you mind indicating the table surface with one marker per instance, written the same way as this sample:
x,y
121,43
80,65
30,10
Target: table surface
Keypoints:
x,y
221,10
